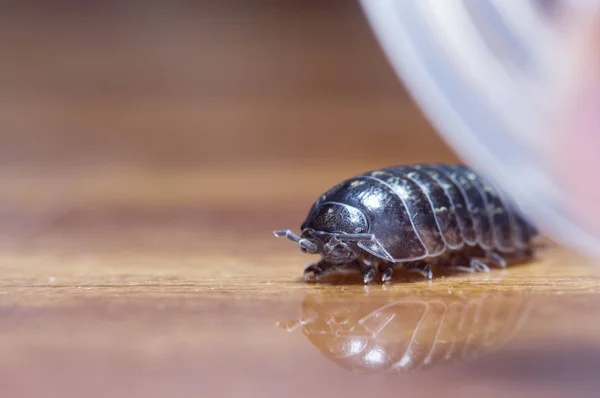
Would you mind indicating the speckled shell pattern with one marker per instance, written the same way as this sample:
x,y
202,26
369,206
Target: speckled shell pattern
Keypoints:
x,y
426,210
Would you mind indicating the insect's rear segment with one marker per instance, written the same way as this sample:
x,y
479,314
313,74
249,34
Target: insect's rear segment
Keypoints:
x,y
415,216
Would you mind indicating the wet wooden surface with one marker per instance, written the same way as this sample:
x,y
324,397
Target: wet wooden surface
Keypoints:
x,y
138,296
143,170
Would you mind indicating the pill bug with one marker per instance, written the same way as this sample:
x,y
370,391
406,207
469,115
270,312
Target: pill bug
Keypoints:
x,y
413,216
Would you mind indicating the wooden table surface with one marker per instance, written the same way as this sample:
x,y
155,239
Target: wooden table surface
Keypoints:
x,y
148,153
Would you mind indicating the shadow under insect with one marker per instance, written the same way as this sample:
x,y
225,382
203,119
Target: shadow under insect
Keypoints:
x,y
352,277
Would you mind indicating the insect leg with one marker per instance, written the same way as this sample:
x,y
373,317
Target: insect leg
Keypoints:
x,y
478,266
420,267
496,259
313,271
458,263
367,270
387,270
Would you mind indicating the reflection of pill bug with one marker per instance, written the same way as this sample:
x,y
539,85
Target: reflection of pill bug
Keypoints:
x,y
408,334
414,215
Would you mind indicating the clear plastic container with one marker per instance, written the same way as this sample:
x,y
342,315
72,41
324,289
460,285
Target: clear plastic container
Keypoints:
x,y
514,88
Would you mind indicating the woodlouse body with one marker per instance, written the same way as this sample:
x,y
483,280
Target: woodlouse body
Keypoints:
x,y
415,215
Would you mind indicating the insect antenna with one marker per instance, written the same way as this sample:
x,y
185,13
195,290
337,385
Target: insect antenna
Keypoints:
x,y
303,243
288,234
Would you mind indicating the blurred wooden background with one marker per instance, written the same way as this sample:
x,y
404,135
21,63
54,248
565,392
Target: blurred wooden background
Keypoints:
x,y
222,84
120,115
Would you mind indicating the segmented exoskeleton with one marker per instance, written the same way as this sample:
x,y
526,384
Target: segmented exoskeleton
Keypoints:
x,y
415,216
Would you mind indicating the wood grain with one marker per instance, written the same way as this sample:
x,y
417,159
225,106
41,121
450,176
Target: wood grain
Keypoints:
x,y
136,295
147,154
